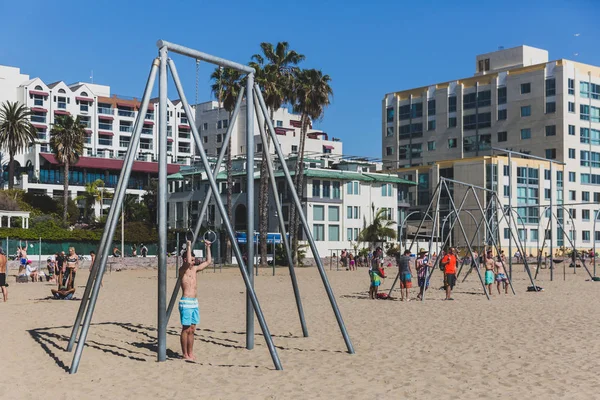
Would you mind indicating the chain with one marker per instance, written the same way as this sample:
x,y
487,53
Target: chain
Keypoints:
x,y
197,78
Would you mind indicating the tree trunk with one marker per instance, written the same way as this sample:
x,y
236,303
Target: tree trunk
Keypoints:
x,y
299,186
263,202
229,199
66,191
11,169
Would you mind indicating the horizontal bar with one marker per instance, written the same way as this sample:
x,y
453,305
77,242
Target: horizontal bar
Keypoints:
x,y
527,155
198,55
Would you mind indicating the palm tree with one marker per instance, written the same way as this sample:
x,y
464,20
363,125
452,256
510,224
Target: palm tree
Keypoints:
x,y
66,139
312,94
276,83
226,86
16,133
92,195
381,227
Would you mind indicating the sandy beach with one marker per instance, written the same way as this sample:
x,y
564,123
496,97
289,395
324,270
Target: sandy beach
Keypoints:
x,y
532,345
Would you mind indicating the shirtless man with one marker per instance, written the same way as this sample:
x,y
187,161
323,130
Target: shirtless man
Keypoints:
x,y
501,277
3,275
188,305
489,271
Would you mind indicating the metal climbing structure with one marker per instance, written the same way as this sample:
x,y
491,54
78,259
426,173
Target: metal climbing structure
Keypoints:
x,y
255,107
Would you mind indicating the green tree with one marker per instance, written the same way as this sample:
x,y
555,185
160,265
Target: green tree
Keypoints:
x,y
226,87
150,198
273,76
381,227
312,94
66,139
16,133
94,192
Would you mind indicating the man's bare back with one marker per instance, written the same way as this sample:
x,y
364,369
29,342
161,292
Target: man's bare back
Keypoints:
x,y
188,271
2,264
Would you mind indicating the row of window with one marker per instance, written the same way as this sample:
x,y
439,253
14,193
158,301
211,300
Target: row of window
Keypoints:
x,y
333,233
534,235
329,189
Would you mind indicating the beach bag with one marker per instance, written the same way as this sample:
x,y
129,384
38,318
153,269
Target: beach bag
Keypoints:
x,y
382,296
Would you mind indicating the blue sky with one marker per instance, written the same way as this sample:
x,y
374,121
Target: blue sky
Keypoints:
x,y
368,48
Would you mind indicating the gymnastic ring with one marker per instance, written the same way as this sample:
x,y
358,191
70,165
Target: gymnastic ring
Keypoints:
x,y
189,235
207,236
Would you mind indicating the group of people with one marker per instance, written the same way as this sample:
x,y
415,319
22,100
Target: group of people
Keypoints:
x,y
143,251
494,272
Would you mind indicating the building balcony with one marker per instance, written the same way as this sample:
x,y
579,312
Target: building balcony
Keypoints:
x,y
106,111
125,113
125,128
38,118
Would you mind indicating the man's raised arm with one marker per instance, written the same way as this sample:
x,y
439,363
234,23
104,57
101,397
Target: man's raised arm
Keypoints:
x,y
208,260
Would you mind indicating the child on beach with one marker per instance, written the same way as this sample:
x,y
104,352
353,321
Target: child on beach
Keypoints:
x,y
489,271
376,273
352,262
188,304
422,271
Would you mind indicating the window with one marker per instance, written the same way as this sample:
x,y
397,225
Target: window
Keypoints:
x,y
259,147
279,124
522,235
334,213
431,145
431,125
219,138
390,131
550,87
294,148
573,213
83,107
572,154
550,107
349,234
572,130
525,134
205,139
525,111
594,93
316,188
596,197
389,150
356,212
571,86
547,194
502,136
452,104
506,170
319,213
349,212
386,190
506,233
452,143
585,196
404,112
551,153
452,122
319,232
334,233
484,98
506,191
571,107
550,130
502,115
482,120
502,95
588,113
533,235
547,174
469,101
205,126
219,124
572,176
336,190
572,195
390,114
525,88
585,235
352,188
326,189
431,107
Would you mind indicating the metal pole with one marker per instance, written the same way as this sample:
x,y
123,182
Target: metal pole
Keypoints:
x,y
551,225
176,264
111,224
122,231
226,222
162,207
593,246
304,222
285,241
39,257
250,207
208,196
510,195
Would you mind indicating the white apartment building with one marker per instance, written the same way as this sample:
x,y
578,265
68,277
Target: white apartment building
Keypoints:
x,y
337,199
214,121
516,100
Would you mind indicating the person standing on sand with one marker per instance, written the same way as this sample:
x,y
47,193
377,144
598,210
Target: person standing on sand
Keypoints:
x,y
403,263
449,266
501,277
489,271
422,271
3,285
188,304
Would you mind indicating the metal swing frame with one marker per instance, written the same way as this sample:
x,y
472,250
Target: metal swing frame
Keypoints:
x,y
254,103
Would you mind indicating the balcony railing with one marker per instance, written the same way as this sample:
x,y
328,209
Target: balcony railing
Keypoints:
x,y
59,180
87,124
146,146
105,111
38,118
125,128
184,120
105,127
41,135
126,113
149,116
184,135
184,149
146,131
105,142
124,143
62,105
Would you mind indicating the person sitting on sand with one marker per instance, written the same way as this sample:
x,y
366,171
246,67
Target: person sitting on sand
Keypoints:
x,y
501,277
65,289
32,271
3,285
188,304
116,252
490,265
403,263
